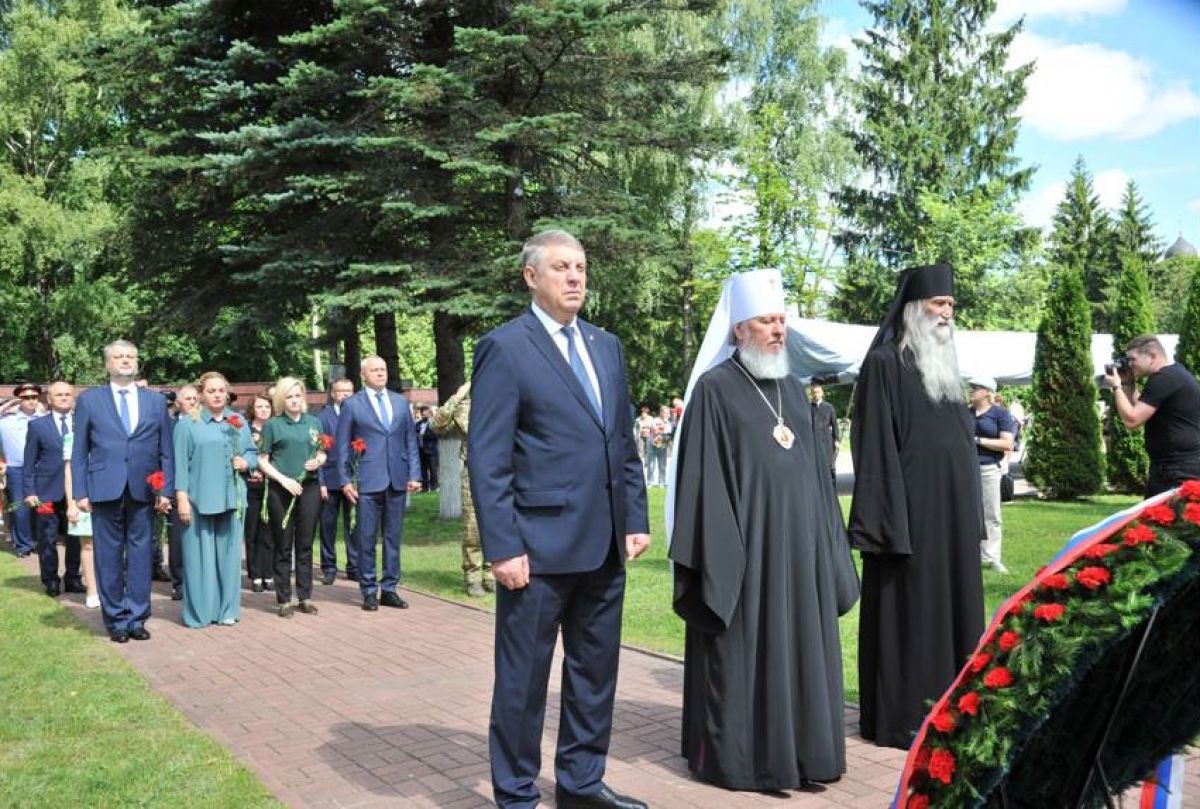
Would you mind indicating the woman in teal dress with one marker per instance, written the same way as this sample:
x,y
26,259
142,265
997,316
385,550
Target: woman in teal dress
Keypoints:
x,y
212,446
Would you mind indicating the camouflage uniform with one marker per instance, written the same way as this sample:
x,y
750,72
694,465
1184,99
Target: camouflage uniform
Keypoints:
x,y
453,418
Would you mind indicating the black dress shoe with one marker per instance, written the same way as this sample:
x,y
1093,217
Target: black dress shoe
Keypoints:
x,y
118,636
370,603
74,587
139,633
158,574
53,590
177,594
327,578
351,575
391,599
256,587
604,799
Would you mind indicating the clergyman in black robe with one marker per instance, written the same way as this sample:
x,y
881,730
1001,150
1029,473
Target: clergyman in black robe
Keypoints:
x,y
762,571
917,513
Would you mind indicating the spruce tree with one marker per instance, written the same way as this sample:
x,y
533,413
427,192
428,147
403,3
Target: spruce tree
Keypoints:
x,y
1082,237
1064,450
1187,352
1126,462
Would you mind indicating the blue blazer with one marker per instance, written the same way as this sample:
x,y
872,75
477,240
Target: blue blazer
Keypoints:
x,y
550,478
391,459
104,461
327,474
44,464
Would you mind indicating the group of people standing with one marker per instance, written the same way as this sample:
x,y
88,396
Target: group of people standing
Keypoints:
x,y
654,435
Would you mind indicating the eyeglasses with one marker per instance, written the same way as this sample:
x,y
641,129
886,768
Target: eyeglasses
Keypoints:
x,y
29,397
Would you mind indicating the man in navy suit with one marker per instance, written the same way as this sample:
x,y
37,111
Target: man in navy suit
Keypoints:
x,y
561,502
389,468
44,488
332,499
122,436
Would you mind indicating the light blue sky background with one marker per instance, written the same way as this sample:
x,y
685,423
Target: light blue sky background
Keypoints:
x,y
1118,82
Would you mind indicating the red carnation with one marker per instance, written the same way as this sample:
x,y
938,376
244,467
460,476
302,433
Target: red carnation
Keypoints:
x,y
1049,612
979,662
1056,581
326,441
968,703
941,765
45,509
1009,640
943,720
235,421
358,445
917,801
998,677
156,480
1093,577
1138,534
1161,514
1100,551
1191,513
1190,489
921,762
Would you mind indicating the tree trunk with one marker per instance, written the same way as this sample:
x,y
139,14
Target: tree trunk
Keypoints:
x,y
448,357
450,469
352,355
386,346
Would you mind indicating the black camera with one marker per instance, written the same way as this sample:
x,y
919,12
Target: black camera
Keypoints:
x,y
1118,366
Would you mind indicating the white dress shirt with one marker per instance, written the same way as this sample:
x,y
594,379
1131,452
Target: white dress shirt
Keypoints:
x,y
133,402
556,334
373,395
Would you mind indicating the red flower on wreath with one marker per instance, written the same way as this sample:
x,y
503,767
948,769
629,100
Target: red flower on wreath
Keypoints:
x,y
941,766
1056,581
1190,489
944,721
917,801
921,762
1138,534
1093,577
156,480
968,703
1100,551
235,421
45,509
1191,513
1009,640
325,440
358,445
979,662
1161,514
1049,612
998,677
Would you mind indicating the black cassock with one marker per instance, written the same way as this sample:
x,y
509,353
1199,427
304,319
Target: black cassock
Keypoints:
x,y
761,563
917,517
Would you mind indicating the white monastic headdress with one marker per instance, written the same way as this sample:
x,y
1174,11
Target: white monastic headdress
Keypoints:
x,y
743,296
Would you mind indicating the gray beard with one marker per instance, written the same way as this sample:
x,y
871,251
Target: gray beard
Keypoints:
x,y
762,365
931,346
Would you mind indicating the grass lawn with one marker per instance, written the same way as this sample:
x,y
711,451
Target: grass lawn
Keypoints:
x,y
79,727
1033,532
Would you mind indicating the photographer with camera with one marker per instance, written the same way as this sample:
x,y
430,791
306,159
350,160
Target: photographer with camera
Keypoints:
x,y
1169,406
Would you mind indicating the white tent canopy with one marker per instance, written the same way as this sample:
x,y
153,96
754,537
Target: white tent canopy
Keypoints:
x,y
833,351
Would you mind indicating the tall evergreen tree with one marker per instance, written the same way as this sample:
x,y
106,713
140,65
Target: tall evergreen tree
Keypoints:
x,y
1126,462
1134,229
1064,450
938,115
1082,236
1187,351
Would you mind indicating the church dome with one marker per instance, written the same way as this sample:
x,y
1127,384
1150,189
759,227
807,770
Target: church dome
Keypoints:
x,y
1181,247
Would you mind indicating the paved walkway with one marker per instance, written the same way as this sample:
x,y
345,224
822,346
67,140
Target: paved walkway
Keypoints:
x,y
390,709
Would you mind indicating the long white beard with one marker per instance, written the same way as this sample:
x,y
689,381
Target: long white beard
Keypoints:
x,y
931,345
763,365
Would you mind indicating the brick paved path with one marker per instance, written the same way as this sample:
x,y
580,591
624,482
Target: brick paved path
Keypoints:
x,y
356,709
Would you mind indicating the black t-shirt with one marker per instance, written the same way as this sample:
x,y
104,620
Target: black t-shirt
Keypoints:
x,y
995,420
1174,429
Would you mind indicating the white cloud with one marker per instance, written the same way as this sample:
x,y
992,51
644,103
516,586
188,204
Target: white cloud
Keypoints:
x,y
1080,91
1009,11
1037,209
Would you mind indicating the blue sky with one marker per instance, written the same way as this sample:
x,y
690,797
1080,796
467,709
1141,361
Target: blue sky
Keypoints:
x,y
1118,82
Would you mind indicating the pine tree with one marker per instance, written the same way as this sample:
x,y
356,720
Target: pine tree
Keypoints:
x,y
1064,451
1082,236
1187,352
1126,462
1134,228
939,115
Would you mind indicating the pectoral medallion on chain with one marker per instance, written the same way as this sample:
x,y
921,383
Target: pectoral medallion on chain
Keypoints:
x,y
784,436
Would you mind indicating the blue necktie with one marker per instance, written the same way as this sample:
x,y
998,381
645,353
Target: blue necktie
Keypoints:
x,y
65,429
383,416
126,420
580,372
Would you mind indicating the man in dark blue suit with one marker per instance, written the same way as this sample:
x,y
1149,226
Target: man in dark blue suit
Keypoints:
x,y
45,489
387,471
122,436
332,499
561,502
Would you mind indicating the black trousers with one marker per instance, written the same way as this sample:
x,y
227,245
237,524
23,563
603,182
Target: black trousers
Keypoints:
x,y
1170,472
429,470
48,528
260,544
295,539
